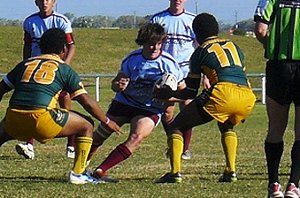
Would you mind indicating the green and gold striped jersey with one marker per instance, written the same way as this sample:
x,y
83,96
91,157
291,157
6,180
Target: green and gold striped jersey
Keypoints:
x,y
220,60
38,81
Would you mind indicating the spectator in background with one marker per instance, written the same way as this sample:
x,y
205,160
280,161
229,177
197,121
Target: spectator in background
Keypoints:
x,y
34,26
277,28
180,44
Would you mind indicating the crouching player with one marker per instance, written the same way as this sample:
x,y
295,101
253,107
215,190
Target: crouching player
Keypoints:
x,y
229,100
37,83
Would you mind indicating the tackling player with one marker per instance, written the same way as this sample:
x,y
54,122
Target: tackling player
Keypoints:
x,y
33,112
229,100
34,26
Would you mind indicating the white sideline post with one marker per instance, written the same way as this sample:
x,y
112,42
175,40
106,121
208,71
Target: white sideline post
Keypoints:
x,y
263,90
97,92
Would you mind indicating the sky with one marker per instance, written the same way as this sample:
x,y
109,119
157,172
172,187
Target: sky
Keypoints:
x,y
227,11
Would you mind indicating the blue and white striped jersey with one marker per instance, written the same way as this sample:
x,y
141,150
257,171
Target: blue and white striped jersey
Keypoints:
x,y
180,36
143,74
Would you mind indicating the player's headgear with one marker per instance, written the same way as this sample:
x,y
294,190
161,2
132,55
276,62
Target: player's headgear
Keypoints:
x,y
205,25
53,41
151,33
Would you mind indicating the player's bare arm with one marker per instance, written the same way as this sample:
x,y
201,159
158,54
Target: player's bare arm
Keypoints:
x,y
91,106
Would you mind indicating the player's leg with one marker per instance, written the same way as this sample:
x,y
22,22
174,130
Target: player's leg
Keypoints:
x,y
187,135
65,102
117,112
192,115
281,88
292,189
166,119
4,137
102,133
141,127
234,110
168,116
229,142
278,119
81,126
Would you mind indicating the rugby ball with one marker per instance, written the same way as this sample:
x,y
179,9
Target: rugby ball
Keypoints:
x,y
167,80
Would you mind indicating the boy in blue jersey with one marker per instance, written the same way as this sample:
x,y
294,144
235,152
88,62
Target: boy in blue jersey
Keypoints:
x,y
180,43
133,102
229,100
34,26
33,112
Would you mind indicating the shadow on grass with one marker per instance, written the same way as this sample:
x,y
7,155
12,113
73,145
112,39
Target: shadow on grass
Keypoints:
x,y
8,157
31,179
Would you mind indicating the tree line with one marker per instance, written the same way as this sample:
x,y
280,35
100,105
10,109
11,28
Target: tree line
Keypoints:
x,y
127,21
99,21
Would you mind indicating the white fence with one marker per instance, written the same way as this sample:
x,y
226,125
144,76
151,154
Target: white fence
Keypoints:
x,y
97,82
261,88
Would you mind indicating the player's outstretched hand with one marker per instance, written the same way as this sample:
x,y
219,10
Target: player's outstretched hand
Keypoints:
x,y
115,127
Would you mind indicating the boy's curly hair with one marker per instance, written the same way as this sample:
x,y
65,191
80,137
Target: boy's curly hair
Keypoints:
x,y
53,41
151,33
205,25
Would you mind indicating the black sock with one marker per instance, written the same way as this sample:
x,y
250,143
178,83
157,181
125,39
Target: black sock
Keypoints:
x,y
273,153
295,169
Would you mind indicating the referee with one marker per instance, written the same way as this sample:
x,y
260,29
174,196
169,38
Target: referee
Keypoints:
x,y
277,26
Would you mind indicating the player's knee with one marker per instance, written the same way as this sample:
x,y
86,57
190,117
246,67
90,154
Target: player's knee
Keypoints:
x,y
225,127
134,141
87,129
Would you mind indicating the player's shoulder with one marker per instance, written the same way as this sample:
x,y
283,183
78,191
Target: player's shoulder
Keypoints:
x,y
167,57
134,54
32,16
189,13
162,13
212,40
60,16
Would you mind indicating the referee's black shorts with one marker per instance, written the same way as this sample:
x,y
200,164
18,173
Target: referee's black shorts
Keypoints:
x,y
283,81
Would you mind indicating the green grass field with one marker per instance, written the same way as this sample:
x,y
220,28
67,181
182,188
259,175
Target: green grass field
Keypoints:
x,y
46,176
100,51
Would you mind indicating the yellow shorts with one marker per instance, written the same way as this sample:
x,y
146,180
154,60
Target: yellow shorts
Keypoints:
x,y
40,124
231,102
